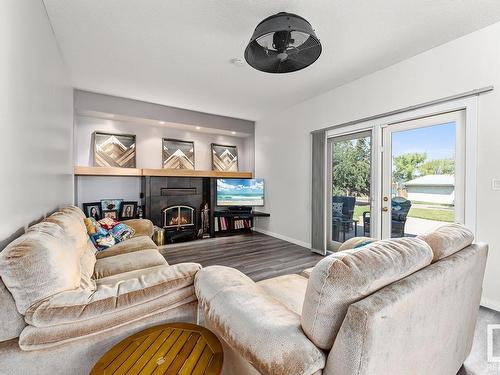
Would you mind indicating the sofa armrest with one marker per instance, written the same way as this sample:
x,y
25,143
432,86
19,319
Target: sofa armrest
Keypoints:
x,y
142,227
262,330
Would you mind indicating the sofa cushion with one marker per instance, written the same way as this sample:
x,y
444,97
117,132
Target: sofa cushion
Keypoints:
x,y
39,264
356,243
87,264
447,240
38,338
74,210
113,294
128,246
290,290
261,329
70,220
128,262
11,322
345,277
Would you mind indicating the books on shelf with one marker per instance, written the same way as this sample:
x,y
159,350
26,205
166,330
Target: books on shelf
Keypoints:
x,y
224,223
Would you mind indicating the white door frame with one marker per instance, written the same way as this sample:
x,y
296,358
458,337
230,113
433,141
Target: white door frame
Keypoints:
x,y
469,104
458,117
330,244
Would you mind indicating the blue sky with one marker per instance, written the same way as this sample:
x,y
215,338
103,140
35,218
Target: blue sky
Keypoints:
x,y
437,141
240,186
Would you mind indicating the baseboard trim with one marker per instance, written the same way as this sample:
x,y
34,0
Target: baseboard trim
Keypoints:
x,y
284,238
490,304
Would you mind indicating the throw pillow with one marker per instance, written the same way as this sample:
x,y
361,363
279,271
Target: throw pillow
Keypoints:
x,y
90,225
103,242
121,232
102,239
337,209
107,223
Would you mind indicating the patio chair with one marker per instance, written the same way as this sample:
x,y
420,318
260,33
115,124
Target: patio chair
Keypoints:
x,y
348,204
399,211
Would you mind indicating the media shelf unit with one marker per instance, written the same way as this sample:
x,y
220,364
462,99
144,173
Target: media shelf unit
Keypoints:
x,y
229,222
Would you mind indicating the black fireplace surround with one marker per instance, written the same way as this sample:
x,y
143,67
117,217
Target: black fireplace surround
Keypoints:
x,y
171,199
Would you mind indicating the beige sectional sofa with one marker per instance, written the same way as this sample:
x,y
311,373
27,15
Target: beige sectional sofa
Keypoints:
x,y
62,305
402,306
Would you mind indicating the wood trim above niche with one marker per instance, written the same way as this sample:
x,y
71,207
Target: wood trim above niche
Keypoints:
x,y
194,173
106,171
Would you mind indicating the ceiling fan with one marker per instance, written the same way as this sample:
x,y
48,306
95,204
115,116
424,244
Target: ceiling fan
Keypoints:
x,y
283,43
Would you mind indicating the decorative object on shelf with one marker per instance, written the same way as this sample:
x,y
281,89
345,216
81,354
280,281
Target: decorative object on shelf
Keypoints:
x,y
204,231
177,154
140,212
224,158
111,205
283,43
93,210
114,150
128,210
111,214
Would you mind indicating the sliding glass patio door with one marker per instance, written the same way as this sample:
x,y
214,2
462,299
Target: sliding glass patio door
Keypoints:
x,y
349,184
397,179
423,178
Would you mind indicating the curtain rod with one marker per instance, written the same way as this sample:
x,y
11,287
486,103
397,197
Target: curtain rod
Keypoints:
x,y
475,92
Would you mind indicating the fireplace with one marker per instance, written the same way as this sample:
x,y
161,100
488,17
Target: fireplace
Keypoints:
x,y
173,203
178,217
179,223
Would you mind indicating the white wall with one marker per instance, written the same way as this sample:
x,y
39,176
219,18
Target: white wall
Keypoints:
x,y
283,151
36,119
148,154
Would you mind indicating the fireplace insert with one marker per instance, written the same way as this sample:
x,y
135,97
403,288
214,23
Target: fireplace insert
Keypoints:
x,y
179,223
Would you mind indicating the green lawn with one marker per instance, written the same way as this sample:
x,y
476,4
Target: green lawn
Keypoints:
x,y
422,213
358,212
432,214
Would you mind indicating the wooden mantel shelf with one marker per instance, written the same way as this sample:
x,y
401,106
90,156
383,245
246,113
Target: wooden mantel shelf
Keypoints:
x,y
105,171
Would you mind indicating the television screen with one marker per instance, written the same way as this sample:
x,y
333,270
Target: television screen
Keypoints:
x,y
240,192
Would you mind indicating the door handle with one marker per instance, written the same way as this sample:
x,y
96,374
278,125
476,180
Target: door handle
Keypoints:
x,y
385,209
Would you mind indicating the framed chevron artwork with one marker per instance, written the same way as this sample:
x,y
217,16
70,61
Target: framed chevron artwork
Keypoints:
x,y
224,158
114,150
177,154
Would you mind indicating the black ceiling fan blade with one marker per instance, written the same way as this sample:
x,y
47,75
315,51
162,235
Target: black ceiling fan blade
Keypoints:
x,y
309,44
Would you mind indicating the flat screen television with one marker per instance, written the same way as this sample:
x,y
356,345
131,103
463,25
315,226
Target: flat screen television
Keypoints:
x,y
237,192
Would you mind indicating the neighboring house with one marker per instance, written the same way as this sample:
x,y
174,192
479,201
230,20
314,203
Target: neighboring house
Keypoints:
x,y
432,188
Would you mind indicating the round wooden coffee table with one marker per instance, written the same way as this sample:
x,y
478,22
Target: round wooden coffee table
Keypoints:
x,y
174,348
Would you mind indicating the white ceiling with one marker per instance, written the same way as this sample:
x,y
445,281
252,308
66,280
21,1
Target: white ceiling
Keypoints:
x,y
178,52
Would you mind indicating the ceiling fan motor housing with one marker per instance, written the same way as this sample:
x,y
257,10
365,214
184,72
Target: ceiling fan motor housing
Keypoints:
x,y
283,43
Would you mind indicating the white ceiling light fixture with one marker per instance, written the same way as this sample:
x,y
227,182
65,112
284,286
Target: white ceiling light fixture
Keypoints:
x,y
233,132
162,122
198,128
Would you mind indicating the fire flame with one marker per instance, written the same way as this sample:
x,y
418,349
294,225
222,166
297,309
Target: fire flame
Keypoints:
x,y
179,220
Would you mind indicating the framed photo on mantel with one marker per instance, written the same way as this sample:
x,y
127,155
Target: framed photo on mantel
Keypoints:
x,y
224,158
114,150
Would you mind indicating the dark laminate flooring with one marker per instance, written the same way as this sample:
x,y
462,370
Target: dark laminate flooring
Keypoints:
x,y
256,255
262,257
